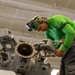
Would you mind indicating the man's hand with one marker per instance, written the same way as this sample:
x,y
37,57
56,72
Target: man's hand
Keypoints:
x,y
62,41
59,53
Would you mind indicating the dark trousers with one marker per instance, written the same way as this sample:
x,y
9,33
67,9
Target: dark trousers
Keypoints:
x,y
68,62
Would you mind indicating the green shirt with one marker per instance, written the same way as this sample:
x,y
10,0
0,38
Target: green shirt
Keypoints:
x,y
67,32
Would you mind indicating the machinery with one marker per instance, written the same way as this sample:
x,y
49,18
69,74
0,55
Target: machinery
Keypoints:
x,y
24,58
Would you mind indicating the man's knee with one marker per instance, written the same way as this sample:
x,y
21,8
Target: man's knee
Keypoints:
x,y
70,70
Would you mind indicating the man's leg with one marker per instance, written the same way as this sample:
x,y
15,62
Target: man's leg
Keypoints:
x,y
62,67
70,62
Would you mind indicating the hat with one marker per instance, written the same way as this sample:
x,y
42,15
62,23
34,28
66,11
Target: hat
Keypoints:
x,y
33,24
38,20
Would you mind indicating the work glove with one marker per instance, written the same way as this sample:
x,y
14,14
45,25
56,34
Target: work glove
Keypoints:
x,y
62,41
59,53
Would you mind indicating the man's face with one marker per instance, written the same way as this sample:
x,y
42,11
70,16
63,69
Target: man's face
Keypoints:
x,y
42,27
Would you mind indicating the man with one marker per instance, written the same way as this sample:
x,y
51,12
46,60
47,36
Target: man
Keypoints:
x,y
58,27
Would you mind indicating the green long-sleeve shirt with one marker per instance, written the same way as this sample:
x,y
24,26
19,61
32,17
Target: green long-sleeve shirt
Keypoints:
x,y
67,32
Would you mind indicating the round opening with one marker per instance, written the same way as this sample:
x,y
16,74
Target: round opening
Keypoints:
x,y
25,49
8,46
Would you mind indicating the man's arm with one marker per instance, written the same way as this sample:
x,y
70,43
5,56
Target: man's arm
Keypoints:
x,y
70,34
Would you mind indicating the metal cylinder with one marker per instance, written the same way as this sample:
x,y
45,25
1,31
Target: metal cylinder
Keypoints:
x,y
25,50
